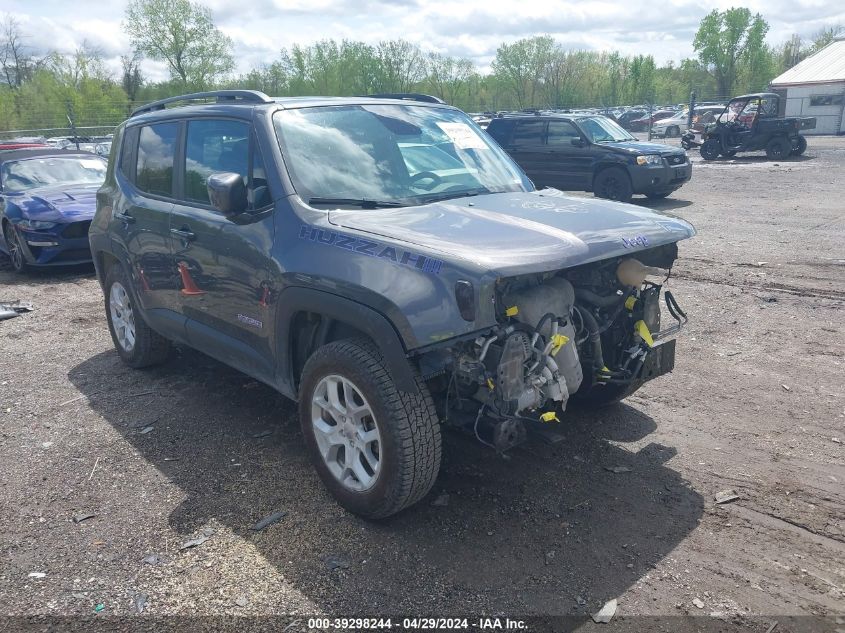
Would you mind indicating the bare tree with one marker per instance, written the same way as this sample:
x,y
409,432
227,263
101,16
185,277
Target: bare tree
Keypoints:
x,y
86,62
17,60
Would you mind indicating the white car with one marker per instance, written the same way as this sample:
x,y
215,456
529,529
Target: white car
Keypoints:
x,y
676,125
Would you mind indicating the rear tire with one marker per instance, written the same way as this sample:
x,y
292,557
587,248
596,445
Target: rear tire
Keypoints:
x,y
673,131
394,436
710,149
613,183
800,146
778,148
136,343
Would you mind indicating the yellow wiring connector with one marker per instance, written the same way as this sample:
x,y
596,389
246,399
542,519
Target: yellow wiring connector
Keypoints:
x,y
549,416
642,329
512,311
558,341
490,384
630,302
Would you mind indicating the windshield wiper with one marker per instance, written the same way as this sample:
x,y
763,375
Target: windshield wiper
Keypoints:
x,y
449,195
364,203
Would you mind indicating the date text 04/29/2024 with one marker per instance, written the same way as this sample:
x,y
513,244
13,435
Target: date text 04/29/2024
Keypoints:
x,y
417,624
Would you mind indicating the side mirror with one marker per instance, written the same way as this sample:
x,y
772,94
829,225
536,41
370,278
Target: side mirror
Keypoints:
x,y
578,142
227,193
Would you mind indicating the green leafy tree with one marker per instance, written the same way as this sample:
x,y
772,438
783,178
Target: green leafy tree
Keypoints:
x,y
182,34
727,39
449,77
520,67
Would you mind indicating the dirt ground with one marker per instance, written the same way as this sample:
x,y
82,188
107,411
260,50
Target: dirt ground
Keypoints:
x,y
194,449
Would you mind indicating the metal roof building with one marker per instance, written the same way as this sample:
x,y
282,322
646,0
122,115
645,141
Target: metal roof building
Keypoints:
x,y
816,87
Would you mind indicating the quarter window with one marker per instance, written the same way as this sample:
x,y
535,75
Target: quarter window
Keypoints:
x,y
156,147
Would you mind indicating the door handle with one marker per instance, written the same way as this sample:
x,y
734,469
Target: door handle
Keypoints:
x,y
185,234
125,217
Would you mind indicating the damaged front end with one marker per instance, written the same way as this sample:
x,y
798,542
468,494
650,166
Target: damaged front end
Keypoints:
x,y
591,333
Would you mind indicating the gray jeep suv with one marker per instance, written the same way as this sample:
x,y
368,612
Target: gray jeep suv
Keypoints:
x,y
383,262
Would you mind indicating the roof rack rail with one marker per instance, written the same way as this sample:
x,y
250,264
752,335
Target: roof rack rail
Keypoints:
x,y
408,96
222,96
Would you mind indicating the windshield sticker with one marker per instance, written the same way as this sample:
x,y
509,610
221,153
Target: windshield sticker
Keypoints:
x,y
91,164
462,135
371,249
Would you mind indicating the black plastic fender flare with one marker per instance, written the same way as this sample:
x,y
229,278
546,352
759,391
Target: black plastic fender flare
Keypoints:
x,y
372,323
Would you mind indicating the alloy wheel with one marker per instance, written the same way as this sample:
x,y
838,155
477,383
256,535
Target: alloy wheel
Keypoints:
x,y
346,433
122,316
15,251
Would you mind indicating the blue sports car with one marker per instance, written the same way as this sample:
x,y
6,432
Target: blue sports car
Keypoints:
x,y
47,200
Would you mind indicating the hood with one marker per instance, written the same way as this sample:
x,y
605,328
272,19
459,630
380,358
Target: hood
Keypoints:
x,y
643,147
61,203
520,232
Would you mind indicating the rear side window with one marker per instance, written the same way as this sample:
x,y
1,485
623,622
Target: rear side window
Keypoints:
x,y
156,149
214,146
529,134
500,130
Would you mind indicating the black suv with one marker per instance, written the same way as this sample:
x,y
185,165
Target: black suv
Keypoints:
x,y
383,262
590,153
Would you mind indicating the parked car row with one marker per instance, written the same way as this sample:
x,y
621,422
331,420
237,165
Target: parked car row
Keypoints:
x,y
47,185
100,145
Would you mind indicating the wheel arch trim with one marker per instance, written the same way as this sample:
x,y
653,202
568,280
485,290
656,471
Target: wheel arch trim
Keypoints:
x,y
373,324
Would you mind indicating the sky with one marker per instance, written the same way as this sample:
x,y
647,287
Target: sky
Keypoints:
x,y
465,28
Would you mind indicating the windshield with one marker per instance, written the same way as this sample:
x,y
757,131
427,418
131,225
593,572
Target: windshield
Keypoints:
x,y
397,154
21,175
602,130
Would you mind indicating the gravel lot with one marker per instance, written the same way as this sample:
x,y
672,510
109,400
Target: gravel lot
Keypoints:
x,y
194,449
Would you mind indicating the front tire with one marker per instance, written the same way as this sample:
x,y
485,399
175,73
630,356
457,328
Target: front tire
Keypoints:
x,y
376,449
800,146
613,183
658,196
15,249
710,149
673,132
778,148
136,343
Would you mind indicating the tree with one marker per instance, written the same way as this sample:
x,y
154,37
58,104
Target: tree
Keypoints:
x,y
18,63
522,65
401,65
86,62
182,34
726,39
448,77
132,78
824,37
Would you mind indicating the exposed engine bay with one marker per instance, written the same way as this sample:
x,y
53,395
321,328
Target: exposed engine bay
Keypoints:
x,y
590,331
